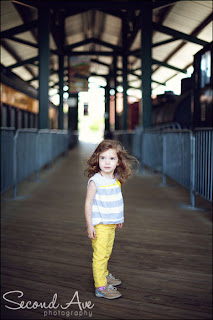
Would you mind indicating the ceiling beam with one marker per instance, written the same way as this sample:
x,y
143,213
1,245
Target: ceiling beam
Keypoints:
x,y
100,62
166,65
136,28
107,44
91,40
162,4
84,4
157,44
115,13
203,24
19,29
92,53
195,32
52,72
15,56
14,81
164,14
26,14
56,24
78,44
23,62
129,71
178,34
27,43
27,61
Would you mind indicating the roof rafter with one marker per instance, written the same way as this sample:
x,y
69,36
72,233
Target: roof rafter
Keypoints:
x,y
157,44
56,24
91,40
196,31
100,62
136,28
15,55
19,29
26,15
166,65
178,34
23,62
93,53
28,43
116,14
83,4
163,4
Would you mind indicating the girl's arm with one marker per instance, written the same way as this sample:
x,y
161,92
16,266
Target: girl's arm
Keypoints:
x,y
91,191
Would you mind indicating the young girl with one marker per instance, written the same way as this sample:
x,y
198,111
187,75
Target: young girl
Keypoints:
x,y
108,167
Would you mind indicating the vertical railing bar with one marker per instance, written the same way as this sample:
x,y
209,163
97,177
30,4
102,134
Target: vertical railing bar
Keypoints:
x,y
211,164
203,177
197,166
192,171
179,154
182,157
164,160
206,165
201,163
205,162
15,165
37,156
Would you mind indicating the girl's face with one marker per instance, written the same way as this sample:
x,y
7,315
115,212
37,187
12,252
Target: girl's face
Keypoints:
x,y
108,161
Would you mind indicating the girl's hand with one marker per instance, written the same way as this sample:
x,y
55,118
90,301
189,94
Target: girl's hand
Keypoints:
x,y
91,232
119,225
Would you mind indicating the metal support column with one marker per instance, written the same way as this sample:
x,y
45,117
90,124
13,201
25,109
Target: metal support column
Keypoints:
x,y
196,99
146,61
107,100
61,92
61,74
73,112
43,40
115,88
125,84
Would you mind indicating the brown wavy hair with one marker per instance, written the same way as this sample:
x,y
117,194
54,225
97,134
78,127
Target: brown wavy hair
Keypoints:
x,y
125,160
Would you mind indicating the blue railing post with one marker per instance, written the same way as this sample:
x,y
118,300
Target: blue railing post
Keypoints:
x,y
15,166
164,161
192,169
37,157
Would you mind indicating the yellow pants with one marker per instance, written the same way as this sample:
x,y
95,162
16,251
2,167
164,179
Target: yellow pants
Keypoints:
x,y
102,248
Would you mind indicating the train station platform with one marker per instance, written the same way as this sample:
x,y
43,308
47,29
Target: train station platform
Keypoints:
x,y
162,254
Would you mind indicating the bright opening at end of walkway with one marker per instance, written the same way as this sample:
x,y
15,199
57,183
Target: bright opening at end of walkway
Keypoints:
x,y
91,112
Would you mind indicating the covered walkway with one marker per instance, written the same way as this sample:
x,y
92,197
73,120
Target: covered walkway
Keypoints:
x,y
162,254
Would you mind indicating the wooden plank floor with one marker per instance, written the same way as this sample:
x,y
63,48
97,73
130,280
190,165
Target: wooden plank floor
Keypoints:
x,y
162,254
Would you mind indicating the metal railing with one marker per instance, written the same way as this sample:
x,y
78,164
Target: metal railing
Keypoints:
x,y
27,152
137,143
152,150
7,155
204,163
176,155
185,156
126,138
44,147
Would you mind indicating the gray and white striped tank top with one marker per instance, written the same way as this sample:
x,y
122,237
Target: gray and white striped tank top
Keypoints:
x,y
108,207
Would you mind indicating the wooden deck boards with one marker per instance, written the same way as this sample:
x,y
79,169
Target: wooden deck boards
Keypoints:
x,y
162,254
